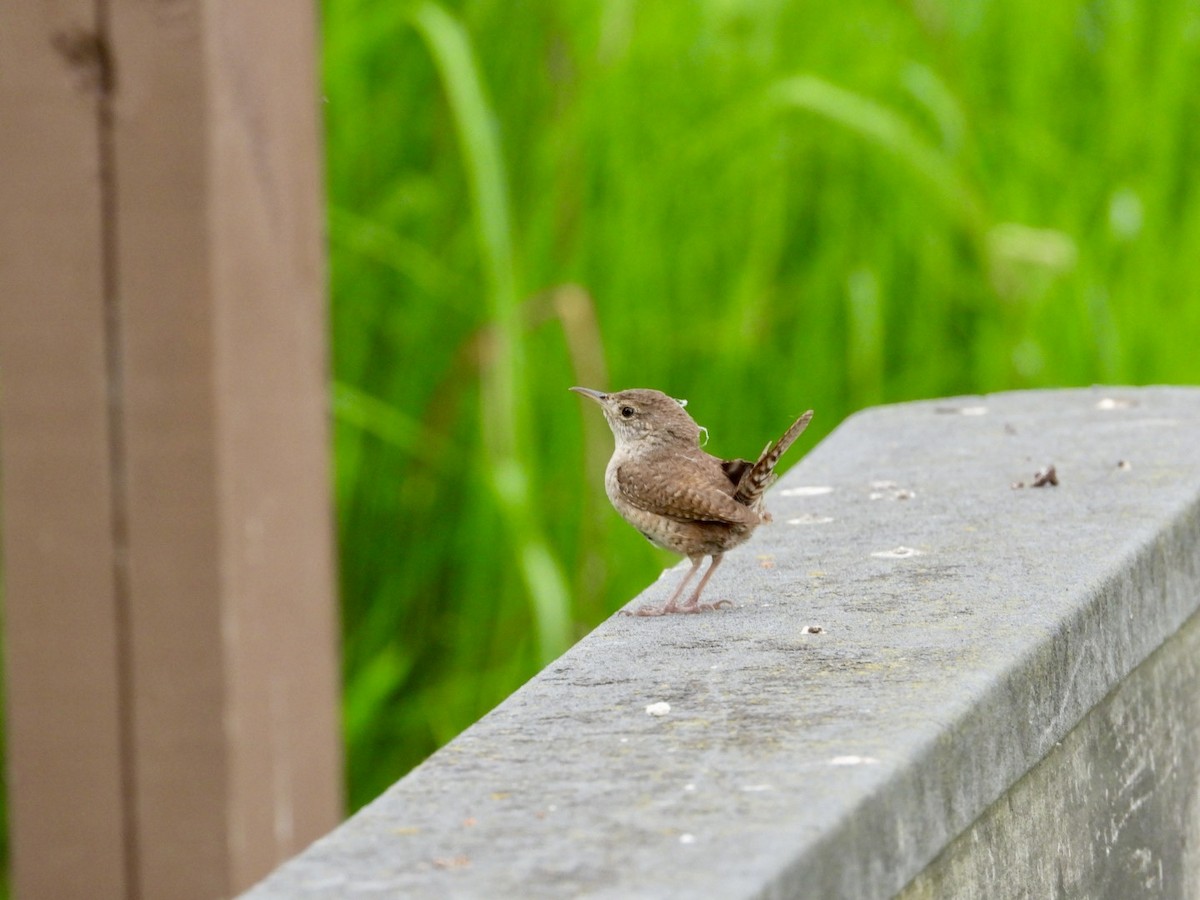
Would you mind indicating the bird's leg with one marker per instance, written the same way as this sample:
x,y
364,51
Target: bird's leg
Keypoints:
x,y
670,606
693,604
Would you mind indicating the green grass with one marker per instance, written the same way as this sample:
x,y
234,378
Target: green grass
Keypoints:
x,y
760,206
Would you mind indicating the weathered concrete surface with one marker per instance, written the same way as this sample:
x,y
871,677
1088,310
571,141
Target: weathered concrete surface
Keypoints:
x,y
1112,813
836,764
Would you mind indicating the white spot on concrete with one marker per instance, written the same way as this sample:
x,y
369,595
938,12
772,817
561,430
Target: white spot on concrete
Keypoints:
x,y
808,490
661,708
1107,403
689,787
853,761
687,839
893,493
896,553
810,519
973,411
756,788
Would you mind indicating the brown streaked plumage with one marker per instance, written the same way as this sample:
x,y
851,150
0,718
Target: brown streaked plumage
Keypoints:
x,y
677,495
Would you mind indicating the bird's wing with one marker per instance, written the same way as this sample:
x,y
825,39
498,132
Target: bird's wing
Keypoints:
x,y
691,493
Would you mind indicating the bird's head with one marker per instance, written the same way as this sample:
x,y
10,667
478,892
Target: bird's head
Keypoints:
x,y
641,414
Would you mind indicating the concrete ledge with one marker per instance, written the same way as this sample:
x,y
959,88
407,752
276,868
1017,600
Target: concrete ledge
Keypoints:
x,y
1113,810
839,764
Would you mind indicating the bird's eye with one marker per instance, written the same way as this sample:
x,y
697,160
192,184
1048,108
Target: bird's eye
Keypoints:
x,y
627,412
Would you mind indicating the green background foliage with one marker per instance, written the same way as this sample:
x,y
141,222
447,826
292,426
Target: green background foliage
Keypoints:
x,y
762,206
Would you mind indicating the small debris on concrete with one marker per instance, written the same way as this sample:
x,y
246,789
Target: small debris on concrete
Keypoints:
x,y
890,489
1124,465
1114,403
766,561
1046,476
813,629
687,839
451,862
661,708
1041,478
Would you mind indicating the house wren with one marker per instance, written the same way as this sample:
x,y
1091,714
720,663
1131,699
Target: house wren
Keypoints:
x,y
678,496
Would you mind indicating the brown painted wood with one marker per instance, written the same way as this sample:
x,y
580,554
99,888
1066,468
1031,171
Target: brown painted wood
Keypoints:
x,y
63,710
193,427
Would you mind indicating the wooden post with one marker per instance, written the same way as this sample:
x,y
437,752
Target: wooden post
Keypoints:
x,y
170,627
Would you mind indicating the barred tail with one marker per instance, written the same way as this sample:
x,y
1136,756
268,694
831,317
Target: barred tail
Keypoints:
x,y
761,475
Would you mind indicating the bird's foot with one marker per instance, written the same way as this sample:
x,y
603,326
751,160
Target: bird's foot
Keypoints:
x,y
645,611
706,607
671,608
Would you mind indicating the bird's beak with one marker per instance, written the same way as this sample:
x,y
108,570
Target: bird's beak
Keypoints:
x,y
598,396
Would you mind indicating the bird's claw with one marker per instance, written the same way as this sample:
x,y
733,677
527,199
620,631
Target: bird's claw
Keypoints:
x,y
668,610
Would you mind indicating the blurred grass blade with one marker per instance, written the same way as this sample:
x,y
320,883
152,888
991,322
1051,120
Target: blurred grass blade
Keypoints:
x,y
865,333
504,389
450,48
884,128
375,684
376,241
383,421
932,93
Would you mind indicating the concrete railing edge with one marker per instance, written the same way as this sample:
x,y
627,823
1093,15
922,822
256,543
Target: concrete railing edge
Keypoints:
x,y
1090,630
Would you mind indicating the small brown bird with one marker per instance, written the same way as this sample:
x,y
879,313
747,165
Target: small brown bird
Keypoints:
x,y
678,496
